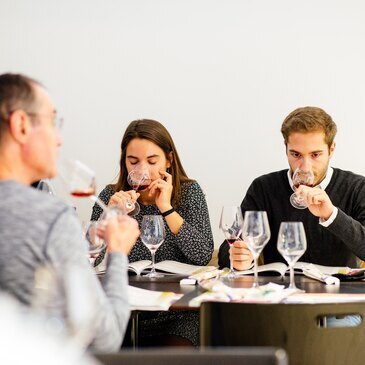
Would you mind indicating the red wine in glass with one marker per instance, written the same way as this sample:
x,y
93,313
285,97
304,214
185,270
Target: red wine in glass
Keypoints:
x,y
140,187
296,186
138,179
301,177
80,180
83,193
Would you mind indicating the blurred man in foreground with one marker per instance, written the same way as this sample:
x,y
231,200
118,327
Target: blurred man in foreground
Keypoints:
x,y
38,230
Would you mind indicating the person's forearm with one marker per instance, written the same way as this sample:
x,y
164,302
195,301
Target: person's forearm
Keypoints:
x,y
113,313
174,221
351,232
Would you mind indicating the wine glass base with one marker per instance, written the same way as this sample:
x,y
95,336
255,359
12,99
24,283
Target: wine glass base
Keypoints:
x,y
135,211
96,249
295,289
231,275
298,204
153,275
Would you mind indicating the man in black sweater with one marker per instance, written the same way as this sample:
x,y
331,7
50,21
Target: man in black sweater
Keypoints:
x,y
335,219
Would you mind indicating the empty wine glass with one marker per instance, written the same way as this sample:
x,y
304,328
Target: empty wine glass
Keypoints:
x,y
66,301
256,233
231,224
138,179
152,235
292,244
301,177
95,243
45,186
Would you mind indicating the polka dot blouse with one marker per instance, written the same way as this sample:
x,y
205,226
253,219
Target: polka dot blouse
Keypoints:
x,y
194,242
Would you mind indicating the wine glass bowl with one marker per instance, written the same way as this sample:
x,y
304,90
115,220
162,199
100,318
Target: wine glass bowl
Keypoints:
x,y
256,233
300,177
80,180
138,179
95,243
153,235
230,223
291,244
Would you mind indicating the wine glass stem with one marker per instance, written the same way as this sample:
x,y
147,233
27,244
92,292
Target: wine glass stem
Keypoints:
x,y
299,197
292,282
99,202
256,276
153,270
230,258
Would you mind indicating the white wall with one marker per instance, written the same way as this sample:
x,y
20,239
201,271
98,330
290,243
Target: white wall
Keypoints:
x,y
219,74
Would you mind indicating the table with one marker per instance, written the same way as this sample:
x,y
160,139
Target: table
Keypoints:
x,y
172,283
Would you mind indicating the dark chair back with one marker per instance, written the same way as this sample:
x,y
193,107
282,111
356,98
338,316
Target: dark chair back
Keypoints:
x,y
179,356
294,327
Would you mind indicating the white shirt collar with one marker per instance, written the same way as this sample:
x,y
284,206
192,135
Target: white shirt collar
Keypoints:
x,y
322,185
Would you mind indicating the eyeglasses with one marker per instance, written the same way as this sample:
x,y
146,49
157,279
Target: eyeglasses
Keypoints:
x,y
57,122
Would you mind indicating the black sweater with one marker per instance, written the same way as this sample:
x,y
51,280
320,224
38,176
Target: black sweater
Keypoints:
x,y
336,245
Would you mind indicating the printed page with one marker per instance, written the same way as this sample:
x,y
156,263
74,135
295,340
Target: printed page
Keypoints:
x,y
180,268
328,270
139,266
275,267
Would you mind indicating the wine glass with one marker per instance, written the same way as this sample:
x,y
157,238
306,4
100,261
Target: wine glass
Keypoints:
x,y
152,235
256,233
95,243
80,180
292,244
66,301
231,224
301,177
45,186
138,179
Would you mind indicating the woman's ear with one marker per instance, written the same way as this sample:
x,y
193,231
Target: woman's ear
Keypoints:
x,y
170,159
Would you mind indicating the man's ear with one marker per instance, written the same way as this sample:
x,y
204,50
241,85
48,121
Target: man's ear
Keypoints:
x,y
19,126
286,148
332,149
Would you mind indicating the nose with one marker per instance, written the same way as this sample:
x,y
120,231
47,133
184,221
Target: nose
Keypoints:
x,y
306,164
59,140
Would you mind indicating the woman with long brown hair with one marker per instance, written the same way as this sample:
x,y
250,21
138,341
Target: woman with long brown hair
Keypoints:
x,y
182,203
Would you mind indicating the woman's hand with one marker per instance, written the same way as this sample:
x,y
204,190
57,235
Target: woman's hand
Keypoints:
x,y
161,189
123,199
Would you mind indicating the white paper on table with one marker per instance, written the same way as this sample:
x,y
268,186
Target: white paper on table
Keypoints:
x,y
313,298
217,291
313,272
150,300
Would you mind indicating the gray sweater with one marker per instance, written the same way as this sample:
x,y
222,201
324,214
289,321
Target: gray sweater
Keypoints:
x,y
39,230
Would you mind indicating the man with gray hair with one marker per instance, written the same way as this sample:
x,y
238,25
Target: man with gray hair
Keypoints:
x,y
38,230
